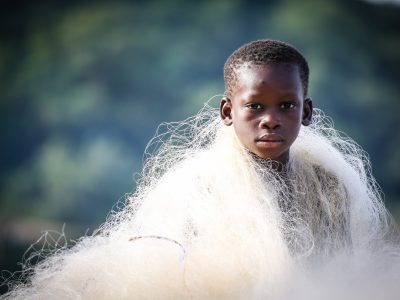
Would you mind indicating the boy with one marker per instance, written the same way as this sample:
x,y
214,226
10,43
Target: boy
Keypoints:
x,y
266,103
238,209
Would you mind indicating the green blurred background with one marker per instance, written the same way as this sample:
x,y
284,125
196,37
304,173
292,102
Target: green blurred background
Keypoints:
x,y
83,86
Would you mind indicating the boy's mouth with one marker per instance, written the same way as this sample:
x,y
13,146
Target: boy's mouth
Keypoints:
x,y
270,140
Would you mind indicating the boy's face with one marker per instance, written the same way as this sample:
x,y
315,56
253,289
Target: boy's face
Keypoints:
x,y
267,108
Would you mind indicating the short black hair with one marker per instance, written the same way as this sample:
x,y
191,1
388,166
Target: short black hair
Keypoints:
x,y
264,52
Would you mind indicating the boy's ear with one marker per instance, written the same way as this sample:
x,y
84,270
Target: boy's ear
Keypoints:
x,y
307,112
225,111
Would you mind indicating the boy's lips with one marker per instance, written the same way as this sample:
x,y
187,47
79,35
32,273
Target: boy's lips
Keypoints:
x,y
270,140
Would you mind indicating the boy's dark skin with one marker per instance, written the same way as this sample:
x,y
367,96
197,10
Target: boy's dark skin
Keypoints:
x,y
266,108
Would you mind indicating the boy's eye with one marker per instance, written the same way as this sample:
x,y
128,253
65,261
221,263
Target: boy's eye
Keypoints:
x,y
254,106
288,105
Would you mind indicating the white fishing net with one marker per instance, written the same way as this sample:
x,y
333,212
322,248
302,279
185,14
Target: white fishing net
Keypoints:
x,y
209,220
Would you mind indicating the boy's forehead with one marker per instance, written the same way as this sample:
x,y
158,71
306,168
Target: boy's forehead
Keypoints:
x,y
255,74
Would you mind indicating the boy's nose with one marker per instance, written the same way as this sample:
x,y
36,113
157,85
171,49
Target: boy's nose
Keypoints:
x,y
270,121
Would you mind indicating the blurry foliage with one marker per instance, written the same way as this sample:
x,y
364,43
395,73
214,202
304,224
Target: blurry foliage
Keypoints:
x,y
83,87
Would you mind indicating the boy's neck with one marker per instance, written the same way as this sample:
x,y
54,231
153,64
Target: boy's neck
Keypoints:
x,y
270,164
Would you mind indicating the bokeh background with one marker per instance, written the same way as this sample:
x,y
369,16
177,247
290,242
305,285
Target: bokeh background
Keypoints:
x,y
84,84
